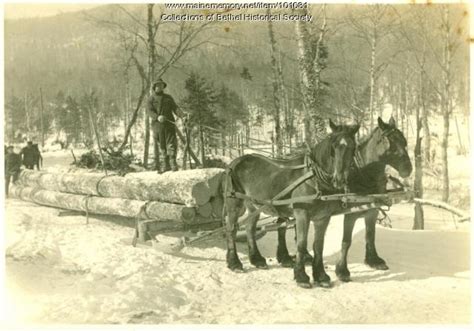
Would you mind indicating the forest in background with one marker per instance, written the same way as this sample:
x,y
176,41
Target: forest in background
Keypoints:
x,y
279,80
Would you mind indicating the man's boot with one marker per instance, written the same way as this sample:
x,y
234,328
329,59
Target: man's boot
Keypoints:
x,y
167,163
174,165
157,165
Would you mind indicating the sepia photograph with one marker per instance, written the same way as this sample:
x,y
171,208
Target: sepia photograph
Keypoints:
x,y
236,163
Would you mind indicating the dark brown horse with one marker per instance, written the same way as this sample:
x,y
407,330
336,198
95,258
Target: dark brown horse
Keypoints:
x,y
327,164
386,145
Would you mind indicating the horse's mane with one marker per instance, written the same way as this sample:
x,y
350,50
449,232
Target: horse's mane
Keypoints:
x,y
364,140
321,152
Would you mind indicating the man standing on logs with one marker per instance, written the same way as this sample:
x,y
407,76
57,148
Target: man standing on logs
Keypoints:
x,y
162,108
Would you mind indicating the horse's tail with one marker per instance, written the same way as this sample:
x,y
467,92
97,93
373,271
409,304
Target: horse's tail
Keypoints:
x,y
228,185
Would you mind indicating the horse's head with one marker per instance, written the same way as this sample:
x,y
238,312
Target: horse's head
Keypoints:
x,y
392,148
342,146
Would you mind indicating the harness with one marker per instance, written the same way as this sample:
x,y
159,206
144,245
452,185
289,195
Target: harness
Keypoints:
x,y
314,171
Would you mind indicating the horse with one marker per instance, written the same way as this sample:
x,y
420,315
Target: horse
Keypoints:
x,y
323,169
386,145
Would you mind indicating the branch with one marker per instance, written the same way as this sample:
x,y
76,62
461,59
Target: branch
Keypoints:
x,y
138,21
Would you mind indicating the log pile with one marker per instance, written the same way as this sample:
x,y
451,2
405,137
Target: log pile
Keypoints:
x,y
189,196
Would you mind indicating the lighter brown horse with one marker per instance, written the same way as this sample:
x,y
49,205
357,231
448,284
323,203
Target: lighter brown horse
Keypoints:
x,y
385,145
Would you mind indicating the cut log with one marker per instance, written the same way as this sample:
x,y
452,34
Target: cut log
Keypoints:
x,y
205,210
190,187
80,183
168,212
155,210
50,182
75,183
29,178
50,198
116,206
217,204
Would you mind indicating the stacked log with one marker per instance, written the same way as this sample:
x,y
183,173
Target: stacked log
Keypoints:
x,y
155,210
190,196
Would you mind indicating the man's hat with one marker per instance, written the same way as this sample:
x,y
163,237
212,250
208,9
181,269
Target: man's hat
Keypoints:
x,y
159,81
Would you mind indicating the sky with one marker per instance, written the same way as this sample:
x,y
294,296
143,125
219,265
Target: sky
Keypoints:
x,y
23,10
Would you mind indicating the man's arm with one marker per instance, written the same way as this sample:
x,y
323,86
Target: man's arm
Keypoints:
x,y
175,109
150,109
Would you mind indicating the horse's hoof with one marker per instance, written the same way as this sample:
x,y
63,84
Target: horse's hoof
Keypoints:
x,y
304,285
262,266
344,278
342,273
237,267
377,265
382,266
259,262
287,263
323,284
238,270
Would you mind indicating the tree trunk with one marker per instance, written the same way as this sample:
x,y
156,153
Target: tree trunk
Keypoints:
x,y
27,113
42,117
305,75
151,76
308,67
277,91
418,185
372,77
446,105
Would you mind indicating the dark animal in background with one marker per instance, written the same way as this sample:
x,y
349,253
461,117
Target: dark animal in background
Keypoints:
x,y
386,145
31,156
263,178
12,167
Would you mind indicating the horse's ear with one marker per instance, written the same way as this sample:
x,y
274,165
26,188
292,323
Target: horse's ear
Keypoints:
x,y
334,127
382,124
354,128
392,122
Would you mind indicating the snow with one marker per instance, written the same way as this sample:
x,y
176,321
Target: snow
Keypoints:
x,y
60,270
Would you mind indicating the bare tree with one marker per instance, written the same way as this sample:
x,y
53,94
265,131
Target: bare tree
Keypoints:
x,y
309,57
373,26
277,88
165,43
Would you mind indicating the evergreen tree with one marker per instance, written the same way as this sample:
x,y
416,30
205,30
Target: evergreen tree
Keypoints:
x,y
200,101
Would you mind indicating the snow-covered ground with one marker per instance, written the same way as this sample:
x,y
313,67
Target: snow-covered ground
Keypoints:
x,y
60,270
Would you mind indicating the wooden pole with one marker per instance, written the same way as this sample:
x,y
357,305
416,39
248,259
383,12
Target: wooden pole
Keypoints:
x,y
201,141
461,146
27,116
42,117
93,124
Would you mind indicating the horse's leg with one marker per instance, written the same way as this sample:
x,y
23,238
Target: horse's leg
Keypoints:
x,y
342,271
308,258
302,224
321,278
232,208
283,257
371,257
254,255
